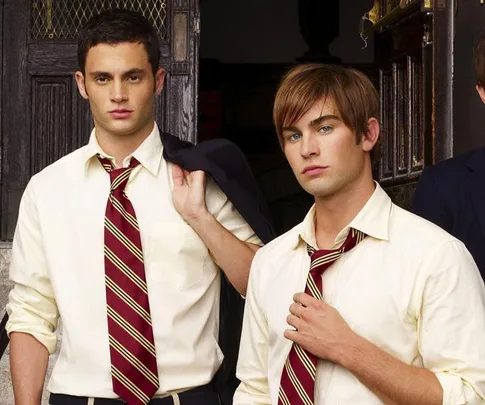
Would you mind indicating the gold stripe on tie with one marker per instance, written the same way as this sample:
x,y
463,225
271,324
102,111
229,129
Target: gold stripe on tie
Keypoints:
x,y
133,360
125,214
313,289
123,239
312,370
128,300
282,396
118,180
299,388
129,385
130,330
125,269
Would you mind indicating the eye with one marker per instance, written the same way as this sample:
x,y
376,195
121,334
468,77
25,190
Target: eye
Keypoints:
x,y
101,80
326,129
134,79
294,137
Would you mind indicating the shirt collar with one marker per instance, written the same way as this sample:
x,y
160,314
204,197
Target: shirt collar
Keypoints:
x,y
149,153
372,219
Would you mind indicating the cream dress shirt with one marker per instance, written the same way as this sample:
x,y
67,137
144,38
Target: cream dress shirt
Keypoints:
x,y
410,288
58,270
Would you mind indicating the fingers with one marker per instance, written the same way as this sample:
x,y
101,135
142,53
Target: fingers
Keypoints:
x,y
294,321
291,334
296,309
181,176
305,299
178,175
197,177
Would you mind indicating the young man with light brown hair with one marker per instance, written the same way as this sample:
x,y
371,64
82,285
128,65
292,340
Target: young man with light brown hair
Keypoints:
x,y
362,302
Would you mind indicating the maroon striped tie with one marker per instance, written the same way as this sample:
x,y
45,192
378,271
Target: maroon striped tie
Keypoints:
x,y
132,349
297,386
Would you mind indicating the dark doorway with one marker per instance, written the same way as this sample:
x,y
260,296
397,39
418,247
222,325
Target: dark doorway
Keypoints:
x,y
245,48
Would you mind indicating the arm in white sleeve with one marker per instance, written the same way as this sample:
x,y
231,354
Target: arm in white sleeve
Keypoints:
x,y
252,367
452,324
31,307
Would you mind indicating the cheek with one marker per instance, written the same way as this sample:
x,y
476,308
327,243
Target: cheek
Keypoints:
x,y
144,96
292,157
342,149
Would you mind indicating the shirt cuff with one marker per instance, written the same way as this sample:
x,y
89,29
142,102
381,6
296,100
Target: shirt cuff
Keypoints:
x,y
49,340
453,388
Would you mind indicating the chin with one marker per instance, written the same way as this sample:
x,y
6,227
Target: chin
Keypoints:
x,y
122,128
322,191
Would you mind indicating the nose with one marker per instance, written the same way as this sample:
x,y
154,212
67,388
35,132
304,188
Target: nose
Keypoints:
x,y
309,146
118,91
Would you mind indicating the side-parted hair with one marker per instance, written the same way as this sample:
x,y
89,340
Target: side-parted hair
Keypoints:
x,y
351,91
479,59
116,26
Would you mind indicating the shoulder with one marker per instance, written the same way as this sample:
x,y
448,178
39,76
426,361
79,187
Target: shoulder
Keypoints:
x,y
61,170
278,248
455,167
416,234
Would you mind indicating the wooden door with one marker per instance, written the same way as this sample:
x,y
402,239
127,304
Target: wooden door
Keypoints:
x,y
413,44
43,116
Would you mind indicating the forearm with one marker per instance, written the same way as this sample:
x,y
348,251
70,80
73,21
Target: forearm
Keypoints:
x,y
391,379
231,254
28,366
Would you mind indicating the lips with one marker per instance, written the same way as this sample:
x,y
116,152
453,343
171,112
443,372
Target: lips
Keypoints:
x,y
120,113
314,170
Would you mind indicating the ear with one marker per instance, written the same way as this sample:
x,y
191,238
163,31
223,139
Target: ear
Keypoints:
x,y
159,80
370,138
481,92
81,84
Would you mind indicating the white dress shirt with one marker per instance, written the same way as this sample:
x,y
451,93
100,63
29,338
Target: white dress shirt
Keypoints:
x,y
410,288
58,269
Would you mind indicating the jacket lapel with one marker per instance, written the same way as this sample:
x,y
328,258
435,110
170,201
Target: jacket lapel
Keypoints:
x,y
476,185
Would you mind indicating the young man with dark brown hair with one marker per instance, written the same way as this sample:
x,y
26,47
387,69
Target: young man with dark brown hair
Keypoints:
x,y
363,302
125,246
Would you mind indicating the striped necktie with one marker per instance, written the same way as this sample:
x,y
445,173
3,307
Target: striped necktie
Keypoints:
x,y
297,386
133,361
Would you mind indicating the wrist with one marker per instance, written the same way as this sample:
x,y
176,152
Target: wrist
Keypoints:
x,y
199,219
350,350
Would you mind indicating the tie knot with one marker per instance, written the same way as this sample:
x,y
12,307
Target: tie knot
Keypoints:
x,y
118,177
322,259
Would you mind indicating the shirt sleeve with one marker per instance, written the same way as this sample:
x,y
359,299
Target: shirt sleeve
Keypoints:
x,y
252,366
227,215
452,324
31,307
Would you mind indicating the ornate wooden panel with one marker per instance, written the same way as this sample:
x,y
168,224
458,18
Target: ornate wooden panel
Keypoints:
x,y
413,51
402,117
55,135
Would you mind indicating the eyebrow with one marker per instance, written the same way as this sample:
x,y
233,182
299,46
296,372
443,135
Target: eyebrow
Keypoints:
x,y
315,122
127,73
319,120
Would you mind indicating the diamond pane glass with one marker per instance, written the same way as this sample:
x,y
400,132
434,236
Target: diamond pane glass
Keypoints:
x,y
62,19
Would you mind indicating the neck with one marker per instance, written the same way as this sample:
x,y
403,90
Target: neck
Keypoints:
x,y
121,146
334,212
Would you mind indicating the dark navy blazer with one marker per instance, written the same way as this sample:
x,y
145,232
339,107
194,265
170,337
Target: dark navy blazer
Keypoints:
x,y
452,195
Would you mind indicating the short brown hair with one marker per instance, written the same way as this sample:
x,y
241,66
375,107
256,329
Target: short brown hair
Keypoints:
x,y
352,92
479,58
